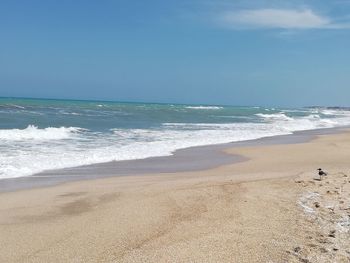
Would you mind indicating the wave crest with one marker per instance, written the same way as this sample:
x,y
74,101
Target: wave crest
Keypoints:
x,y
276,116
34,133
204,107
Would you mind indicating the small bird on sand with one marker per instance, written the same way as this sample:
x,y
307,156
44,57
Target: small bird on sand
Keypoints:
x,y
321,173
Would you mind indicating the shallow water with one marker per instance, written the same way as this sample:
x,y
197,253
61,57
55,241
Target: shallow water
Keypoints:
x,y
38,135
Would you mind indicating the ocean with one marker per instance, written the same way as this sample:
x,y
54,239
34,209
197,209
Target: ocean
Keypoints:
x,y
38,134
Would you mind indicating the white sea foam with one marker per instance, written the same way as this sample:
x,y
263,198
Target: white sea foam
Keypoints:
x,y
275,116
70,113
34,133
32,150
16,106
204,107
306,201
335,112
29,157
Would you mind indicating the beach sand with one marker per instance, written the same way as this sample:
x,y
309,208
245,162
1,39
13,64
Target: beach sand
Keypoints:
x,y
269,208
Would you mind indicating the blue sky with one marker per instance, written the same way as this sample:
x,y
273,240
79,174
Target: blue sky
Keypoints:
x,y
280,53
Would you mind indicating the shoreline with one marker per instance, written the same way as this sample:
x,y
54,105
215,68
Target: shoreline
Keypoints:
x,y
270,208
190,159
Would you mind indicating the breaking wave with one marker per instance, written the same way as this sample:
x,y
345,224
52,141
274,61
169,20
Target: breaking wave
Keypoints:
x,y
128,132
34,133
204,107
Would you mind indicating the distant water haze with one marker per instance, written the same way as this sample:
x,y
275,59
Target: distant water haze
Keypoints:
x,y
38,134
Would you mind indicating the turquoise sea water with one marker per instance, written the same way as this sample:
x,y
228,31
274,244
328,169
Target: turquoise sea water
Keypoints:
x,y
38,134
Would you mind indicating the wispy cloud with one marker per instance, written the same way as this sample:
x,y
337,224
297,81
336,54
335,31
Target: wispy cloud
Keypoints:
x,y
278,19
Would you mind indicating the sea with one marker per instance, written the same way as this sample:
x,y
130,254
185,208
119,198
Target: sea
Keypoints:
x,y
43,134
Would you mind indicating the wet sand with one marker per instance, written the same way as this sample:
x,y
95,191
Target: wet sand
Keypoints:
x,y
183,160
269,207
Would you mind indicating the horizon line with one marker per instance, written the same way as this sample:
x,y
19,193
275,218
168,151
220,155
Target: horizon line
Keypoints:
x,y
163,103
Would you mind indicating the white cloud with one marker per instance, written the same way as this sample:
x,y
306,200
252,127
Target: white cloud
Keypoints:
x,y
278,19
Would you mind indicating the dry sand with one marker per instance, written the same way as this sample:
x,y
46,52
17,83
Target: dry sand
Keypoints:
x,y
270,208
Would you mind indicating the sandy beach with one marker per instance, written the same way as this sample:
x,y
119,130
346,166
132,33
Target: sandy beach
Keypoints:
x,y
175,131
271,207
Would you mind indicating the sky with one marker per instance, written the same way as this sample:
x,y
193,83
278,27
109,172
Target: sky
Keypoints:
x,y
256,52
